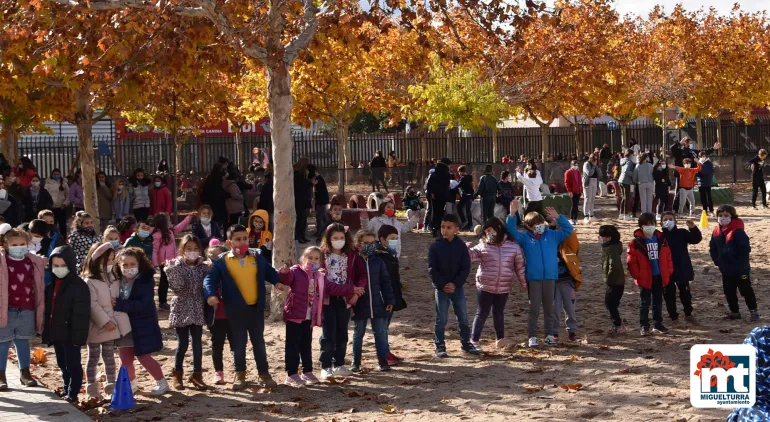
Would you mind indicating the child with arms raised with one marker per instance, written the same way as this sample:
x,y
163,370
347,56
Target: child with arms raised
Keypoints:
x,y
164,249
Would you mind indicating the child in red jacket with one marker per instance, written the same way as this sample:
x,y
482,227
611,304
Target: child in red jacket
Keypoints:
x,y
160,197
573,182
650,264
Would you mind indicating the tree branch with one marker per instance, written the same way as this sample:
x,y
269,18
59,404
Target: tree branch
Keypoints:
x,y
104,4
303,39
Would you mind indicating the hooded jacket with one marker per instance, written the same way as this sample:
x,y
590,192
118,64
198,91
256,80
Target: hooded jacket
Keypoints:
x,y
187,283
266,236
643,173
540,254
678,241
612,263
296,305
730,249
627,171
146,244
501,266
140,307
68,312
140,193
487,187
375,223
102,312
391,263
639,263
39,264
568,251
589,171
162,253
378,294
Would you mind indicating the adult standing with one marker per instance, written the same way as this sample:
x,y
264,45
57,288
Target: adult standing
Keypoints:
x,y
321,197
605,155
104,198
437,191
9,206
214,196
259,157
645,182
626,180
139,186
378,166
16,191
24,171
234,201
758,178
57,186
592,173
36,199
705,181
303,194
76,192
487,190
574,185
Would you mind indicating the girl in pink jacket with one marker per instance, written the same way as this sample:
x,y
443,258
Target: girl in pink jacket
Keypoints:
x,y
502,263
164,249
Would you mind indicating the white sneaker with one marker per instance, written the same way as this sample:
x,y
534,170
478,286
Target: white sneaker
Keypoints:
x,y
134,386
586,220
551,340
533,342
161,387
621,217
327,373
342,371
591,219
476,344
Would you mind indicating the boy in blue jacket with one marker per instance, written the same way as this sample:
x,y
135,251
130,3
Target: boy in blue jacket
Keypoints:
x,y
541,251
241,275
449,264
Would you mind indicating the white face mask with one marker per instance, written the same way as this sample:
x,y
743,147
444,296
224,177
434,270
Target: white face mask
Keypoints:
x,y
491,236
36,240
703,160
3,193
669,224
540,228
130,273
723,221
205,221
338,244
648,230
60,272
192,256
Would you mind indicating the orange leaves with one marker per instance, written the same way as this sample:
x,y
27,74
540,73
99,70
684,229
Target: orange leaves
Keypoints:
x,y
39,356
571,388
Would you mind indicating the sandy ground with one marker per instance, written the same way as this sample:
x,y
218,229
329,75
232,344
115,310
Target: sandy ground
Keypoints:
x,y
629,378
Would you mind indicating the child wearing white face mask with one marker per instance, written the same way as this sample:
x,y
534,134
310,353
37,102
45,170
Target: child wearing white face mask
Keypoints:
x,y
185,277
205,229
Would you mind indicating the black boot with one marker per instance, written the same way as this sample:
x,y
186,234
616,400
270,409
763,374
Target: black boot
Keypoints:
x,y
3,381
26,378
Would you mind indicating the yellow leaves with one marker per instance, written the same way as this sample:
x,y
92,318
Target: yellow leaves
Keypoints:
x,y
39,356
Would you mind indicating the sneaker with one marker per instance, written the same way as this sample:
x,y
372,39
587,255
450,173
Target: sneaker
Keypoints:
x,y
617,330
219,378
441,353
732,316
470,349
551,340
532,342
660,329
164,307
327,373
573,337
621,217
265,380
310,378
502,343
294,381
383,367
591,219
391,356
341,371
161,388
355,368
586,220
689,318
754,316
645,331
391,361
134,386
476,344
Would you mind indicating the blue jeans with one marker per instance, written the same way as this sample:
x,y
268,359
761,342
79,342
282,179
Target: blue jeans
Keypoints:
x,y
379,328
248,323
183,335
68,359
457,299
22,353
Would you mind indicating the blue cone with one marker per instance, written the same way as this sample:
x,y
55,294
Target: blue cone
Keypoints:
x,y
123,397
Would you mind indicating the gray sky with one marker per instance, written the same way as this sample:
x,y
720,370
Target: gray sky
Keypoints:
x,y
642,7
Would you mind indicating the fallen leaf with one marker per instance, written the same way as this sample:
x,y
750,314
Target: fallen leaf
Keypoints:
x,y
38,356
628,371
412,382
535,370
390,409
307,405
571,388
591,403
263,390
272,408
533,390
412,370
571,359
338,381
353,393
604,347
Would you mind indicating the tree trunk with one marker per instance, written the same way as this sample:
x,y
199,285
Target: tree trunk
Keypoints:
x,y
178,156
544,135
578,139
10,147
280,103
623,134
719,134
239,150
423,147
342,154
495,150
699,130
84,120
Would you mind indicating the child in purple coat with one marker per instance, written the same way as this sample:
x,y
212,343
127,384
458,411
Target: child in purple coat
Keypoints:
x,y
308,290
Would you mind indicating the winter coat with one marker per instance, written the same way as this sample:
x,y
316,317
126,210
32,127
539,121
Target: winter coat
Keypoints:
x,y
39,264
160,201
140,307
757,169
391,263
67,319
187,283
569,251
303,191
706,175
296,304
234,203
573,181
378,294
11,211
200,232
25,176
102,312
375,223
487,186
627,172
448,262
219,279
532,185
44,202
438,183
540,254
730,249
639,263
266,197
356,271
140,195
121,205
643,173
662,182
678,241
60,197
145,245
466,185
162,253
81,242
589,171
76,194
612,264
321,191
506,194
104,198
501,265
687,175
266,235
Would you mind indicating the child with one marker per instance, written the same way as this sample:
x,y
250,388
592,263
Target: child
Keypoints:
x,y
121,204
375,304
570,278
160,198
164,249
662,185
413,205
126,226
612,271
36,198
687,183
502,264
334,215
540,245
139,190
43,240
259,235
487,190
241,274
506,190
448,266
21,315
136,276
343,266
49,217
112,235
650,264
730,249
82,237
67,318
141,239
185,277
216,320
386,251
106,325
705,180
205,229
465,188
573,182
386,214
532,181
308,290
679,240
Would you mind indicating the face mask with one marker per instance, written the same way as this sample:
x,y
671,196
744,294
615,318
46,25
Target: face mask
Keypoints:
x,y
258,226
703,160
663,166
242,249
192,256
368,249
312,267
115,243
393,244
18,252
338,244
57,178
723,221
143,234
491,237
37,240
35,184
687,166
390,212
574,167
669,224
205,221
648,230
60,272
540,228
130,273
157,184
110,268
120,188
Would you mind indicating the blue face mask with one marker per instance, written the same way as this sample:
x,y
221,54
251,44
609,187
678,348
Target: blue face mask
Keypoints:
x,y
393,244
157,184
368,249
115,243
57,178
18,252
143,234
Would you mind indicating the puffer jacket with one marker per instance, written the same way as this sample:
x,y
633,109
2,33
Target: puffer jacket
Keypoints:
x,y
730,249
706,175
68,313
140,195
627,172
162,253
60,197
39,264
612,264
102,312
296,305
378,294
187,283
76,195
569,250
501,265
639,263
140,307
